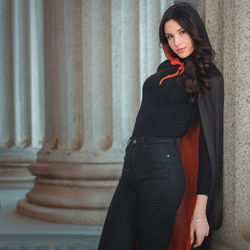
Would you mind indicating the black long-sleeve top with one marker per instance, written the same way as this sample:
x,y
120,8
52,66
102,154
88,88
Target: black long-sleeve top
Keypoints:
x,y
165,111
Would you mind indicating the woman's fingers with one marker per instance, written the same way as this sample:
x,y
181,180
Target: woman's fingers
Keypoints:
x,y
191,235
199,233
199,240
200,229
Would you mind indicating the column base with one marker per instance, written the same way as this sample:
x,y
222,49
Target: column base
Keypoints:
x,y
89,217
15,176
70,193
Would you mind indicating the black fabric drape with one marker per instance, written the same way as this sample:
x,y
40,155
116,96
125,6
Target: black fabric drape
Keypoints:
x,y
211,108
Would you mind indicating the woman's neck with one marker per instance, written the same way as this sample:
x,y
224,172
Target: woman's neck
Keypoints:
x,y
184,59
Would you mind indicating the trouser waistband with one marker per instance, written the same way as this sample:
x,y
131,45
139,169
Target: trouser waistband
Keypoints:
x,y
142,140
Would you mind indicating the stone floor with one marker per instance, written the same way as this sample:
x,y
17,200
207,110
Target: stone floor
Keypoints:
x,y
19,232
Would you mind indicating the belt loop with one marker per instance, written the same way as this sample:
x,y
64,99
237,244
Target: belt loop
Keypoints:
x,y
176,142
129,139
143,140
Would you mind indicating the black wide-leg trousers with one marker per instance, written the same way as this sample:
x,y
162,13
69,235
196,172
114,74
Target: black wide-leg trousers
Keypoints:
x,y
147,197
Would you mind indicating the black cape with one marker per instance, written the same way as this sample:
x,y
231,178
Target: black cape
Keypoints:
x,y
211,107
211,110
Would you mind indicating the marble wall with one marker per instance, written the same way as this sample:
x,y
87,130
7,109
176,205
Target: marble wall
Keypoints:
x,y
227,22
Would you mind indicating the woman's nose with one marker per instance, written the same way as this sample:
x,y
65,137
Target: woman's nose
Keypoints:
x,y
177,41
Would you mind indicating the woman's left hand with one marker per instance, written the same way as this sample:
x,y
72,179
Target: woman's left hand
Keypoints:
x,y
200,229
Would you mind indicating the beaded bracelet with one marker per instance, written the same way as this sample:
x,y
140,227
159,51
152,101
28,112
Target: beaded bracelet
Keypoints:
x,y
194,219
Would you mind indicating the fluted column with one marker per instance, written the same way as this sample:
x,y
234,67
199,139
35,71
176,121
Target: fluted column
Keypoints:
x,y
21,90
228,26
93,79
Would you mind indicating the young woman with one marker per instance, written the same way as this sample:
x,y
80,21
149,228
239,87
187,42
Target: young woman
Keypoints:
x,y
169,194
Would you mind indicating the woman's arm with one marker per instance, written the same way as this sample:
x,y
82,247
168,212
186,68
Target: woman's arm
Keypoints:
x,y
199,228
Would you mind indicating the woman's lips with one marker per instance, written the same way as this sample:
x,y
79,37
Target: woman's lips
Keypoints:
x,y
180,50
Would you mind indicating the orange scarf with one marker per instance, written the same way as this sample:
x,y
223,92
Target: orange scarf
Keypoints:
x,y
173,61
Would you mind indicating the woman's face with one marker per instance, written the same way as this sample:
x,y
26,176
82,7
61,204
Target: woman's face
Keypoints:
x,y
178,39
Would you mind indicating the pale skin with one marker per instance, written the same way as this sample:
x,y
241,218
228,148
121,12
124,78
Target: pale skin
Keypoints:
x,y
182,45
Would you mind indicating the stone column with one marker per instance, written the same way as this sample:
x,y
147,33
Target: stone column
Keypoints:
x,y
21,90
228,27
93,80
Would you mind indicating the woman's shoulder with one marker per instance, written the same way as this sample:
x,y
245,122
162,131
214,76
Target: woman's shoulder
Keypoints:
x,y
163,65
214,72
215,78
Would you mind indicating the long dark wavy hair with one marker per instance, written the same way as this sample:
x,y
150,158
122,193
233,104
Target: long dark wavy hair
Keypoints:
x,y
198,63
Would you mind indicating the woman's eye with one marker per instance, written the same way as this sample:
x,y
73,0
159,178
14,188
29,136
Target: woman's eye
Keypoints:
x,y
168,37
182,32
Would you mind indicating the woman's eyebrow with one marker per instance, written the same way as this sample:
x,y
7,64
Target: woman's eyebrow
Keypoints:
x,y
177,31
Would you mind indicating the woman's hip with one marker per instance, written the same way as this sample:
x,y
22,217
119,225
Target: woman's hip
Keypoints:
x,y
150,157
